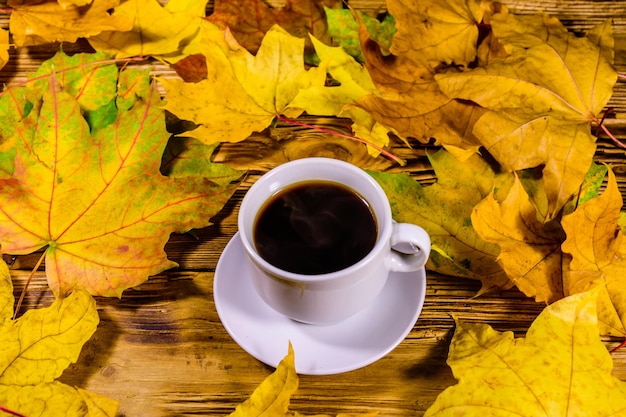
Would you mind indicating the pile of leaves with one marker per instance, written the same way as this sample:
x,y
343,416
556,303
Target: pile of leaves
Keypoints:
x,y
91,177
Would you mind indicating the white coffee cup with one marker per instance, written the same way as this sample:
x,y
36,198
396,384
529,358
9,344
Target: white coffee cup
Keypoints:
x,y
330,297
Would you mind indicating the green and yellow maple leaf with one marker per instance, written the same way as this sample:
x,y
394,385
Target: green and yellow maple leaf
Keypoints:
x,y
598,249
444,210
561,368
96,201
344,30
542,98
243,93
36,23
86,77
37,347
157,30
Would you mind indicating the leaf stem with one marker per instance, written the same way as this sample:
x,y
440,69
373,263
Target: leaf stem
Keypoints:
x,y
11,412
30,277
618,347
388,154
611,136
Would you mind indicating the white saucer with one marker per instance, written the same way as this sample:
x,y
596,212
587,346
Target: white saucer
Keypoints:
x,y
319,350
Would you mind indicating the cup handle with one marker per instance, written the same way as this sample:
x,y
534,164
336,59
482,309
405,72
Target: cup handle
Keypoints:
x,y
410,247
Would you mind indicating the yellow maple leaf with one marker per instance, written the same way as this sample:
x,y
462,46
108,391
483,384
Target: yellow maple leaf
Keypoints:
x,y
354,83
530,251
6,293
4,47
598,249
561,368
78,3
35,23
37,347
243,93
273,395
157,30
410,100
435,31
542,98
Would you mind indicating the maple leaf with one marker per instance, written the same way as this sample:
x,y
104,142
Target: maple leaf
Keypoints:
x,y
35,22
598,249
530,250
157,30
4,47
96,201
243,93
37,347
298,17
185,157
561,368
444,210
273,395
344,30
78,3
338,100
86,77
435,32
410,100
542,98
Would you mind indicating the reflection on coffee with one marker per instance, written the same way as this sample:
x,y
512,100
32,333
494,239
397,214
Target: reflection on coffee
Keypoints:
x,y
315,227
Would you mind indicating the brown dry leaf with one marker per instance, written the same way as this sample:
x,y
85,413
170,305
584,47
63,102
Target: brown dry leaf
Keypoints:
x,y
542,99
530,249
598,249
298,17
560,369
40,22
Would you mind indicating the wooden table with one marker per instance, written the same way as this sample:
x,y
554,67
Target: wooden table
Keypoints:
x,y
161,349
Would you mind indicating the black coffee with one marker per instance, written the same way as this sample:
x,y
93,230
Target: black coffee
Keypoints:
x,y
315,227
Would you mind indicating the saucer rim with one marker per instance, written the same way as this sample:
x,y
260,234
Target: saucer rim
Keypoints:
x,y
420,281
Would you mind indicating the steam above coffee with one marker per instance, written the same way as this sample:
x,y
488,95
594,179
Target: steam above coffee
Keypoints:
x,y
315,227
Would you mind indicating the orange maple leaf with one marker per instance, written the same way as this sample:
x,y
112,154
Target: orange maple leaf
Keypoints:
x,y
598,249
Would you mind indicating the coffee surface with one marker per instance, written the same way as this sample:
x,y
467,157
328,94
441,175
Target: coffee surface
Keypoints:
x,y
315,227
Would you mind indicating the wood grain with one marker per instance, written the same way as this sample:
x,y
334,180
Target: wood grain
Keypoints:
x,y
161,349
